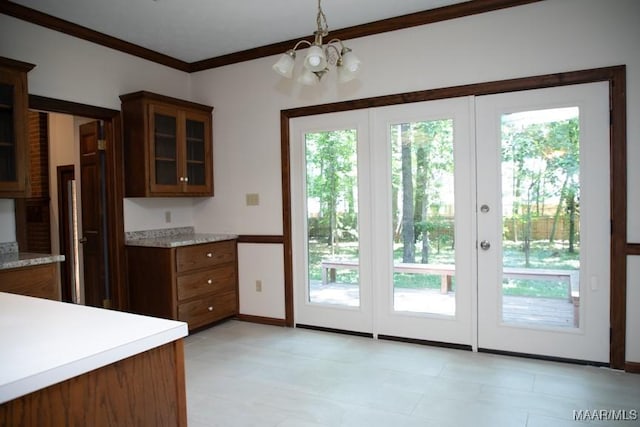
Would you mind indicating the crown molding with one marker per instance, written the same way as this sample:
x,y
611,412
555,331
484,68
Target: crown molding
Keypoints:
x,y
430,16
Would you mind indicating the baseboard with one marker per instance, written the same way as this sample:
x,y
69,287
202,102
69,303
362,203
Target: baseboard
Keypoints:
x,y
632,367
262,320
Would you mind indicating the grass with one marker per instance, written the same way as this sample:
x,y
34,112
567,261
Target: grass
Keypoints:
x,y
542,255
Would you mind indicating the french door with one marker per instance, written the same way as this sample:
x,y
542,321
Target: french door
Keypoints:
x,y
543,222
475,221
423,222
331,221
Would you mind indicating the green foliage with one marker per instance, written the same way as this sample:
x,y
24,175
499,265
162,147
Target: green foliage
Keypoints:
x,y
541,162
541,167
543,255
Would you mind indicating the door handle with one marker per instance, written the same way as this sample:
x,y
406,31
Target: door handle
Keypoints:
x,y
485,245
82,240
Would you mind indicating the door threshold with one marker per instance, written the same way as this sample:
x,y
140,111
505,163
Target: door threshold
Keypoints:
x,y
426,342
545,358
335,331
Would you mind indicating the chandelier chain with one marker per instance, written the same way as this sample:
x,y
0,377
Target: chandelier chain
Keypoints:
x,y
321,21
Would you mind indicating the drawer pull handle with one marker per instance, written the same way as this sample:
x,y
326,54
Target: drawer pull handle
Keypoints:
x,y
209,281
210,308
209,254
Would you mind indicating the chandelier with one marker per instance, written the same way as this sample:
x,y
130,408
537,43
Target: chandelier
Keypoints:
x,y
319,57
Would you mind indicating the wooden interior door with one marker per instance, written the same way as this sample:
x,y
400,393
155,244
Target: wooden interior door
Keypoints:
x,y
93,230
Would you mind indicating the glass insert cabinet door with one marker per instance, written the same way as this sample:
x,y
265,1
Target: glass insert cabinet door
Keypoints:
x,y
165,144
197,150
13,128
8,152
180,150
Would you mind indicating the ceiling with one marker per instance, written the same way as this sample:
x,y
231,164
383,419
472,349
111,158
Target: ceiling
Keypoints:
x,y
197,30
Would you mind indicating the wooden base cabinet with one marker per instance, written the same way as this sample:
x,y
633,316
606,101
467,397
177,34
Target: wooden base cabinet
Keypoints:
x,y
39,281
147,389
197,284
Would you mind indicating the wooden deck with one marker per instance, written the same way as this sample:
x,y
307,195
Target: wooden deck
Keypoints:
x,y
517,310
446,272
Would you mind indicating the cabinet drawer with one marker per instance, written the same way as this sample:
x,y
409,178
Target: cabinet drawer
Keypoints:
x,y
216,280
205,255
37,281
207,309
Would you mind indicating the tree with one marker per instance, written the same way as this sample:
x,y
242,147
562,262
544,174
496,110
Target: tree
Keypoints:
x,y
408,232
544,163
331,160
422,165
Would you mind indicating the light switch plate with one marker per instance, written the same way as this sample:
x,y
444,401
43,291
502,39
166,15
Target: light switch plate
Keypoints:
x,y
253,199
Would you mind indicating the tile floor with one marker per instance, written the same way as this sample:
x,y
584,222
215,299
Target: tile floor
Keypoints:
x,y
245,374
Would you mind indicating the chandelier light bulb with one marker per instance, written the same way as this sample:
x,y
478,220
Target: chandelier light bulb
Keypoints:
x,y
316,59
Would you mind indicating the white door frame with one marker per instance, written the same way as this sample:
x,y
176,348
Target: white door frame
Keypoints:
x,y
620,248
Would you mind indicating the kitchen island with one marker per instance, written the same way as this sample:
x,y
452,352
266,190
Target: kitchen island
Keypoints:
x,y
72,365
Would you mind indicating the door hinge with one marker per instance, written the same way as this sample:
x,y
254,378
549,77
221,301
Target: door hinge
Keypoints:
x,y
102,144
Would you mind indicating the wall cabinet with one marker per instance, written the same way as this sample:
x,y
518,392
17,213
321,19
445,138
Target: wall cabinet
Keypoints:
x,y
196,284
14,104
35,281
167,146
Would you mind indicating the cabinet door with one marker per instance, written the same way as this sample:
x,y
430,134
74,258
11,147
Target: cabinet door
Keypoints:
x,y
13,108
197,173
165,153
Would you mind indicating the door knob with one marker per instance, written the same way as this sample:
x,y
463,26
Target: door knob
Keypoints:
x,y
484,208
485,245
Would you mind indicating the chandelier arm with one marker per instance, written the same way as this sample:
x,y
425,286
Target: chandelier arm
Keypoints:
x,y
336,41
307,42
338,59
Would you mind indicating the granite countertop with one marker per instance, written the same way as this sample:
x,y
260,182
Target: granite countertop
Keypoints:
x,y
173,237
10,257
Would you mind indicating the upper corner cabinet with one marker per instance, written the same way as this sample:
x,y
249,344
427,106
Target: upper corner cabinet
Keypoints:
x,y
167,146
14,104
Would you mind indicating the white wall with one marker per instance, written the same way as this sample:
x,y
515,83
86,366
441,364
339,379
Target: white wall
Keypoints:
x,y
71,69
541,38
7,221
62,146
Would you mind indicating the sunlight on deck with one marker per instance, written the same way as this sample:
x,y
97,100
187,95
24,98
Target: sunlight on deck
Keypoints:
x,y
517,310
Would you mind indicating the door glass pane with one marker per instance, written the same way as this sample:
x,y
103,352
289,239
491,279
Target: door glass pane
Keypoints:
x,y
541,217
423,217
165,144
332,217
195,152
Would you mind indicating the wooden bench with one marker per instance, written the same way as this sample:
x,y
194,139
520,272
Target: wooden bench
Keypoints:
x,y
447,271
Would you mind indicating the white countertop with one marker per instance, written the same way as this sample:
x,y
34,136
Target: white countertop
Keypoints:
x,y
45,342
